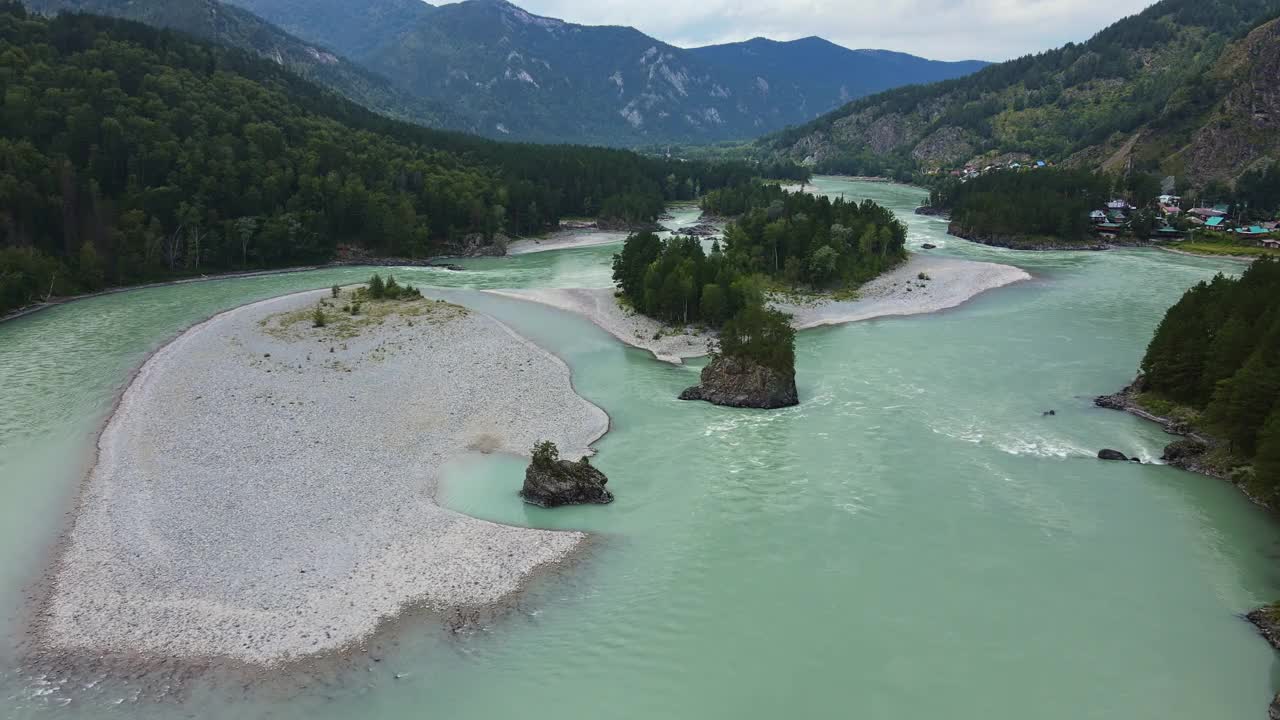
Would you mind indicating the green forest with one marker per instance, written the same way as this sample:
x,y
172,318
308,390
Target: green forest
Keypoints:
x,y
1217,351
780,237
130,154
1030,206
793,238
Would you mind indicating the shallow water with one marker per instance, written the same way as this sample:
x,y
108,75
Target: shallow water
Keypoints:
x,y
914,540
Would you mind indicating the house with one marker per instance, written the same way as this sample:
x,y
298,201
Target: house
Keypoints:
x,y
1170,209
1170,200
1222,209
1098,216
1253,231
1270,242
1168,231
1217,222
1205,212
1118,205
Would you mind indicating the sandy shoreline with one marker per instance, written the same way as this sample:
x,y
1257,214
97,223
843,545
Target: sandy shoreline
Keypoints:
x,y
897,293
901,292
600,306
295,514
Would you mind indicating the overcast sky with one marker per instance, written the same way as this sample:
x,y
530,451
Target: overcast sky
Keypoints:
x,y
938,29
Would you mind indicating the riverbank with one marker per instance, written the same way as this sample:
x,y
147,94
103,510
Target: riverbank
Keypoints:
x,y
1221,256
602,307
265,489
947,283
1196,451
567,240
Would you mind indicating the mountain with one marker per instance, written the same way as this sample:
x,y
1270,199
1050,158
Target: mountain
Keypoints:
x,y
353,27
238,28
827,74
1223,123
1135,95
536,78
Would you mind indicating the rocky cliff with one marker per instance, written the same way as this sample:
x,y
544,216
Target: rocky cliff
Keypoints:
x,y
742,383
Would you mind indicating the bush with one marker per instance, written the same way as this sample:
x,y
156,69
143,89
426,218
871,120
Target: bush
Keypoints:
x,y
545,454
336,291
317,318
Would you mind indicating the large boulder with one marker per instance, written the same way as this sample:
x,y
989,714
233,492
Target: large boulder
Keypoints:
x,y
1112,455
743,383
551,482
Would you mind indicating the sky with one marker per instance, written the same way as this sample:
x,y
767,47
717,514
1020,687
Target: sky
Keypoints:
x,y
937,29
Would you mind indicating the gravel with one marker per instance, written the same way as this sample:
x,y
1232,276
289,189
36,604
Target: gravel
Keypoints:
x,y
265,496
899,292
600,306
950,282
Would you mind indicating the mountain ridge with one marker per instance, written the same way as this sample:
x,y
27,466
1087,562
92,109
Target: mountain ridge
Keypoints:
x,y
525,76
1150,75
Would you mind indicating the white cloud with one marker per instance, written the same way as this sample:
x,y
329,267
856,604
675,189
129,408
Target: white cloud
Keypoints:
x,y
940,29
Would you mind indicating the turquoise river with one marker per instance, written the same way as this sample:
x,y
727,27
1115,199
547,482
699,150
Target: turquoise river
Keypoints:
x,y
913,541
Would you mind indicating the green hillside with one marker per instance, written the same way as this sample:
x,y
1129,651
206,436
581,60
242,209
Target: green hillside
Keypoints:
x,y
1080,104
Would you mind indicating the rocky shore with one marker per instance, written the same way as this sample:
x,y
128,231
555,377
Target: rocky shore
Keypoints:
x,y
265,490
1190,452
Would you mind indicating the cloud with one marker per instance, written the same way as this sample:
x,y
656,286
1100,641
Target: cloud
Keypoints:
x,y
939,29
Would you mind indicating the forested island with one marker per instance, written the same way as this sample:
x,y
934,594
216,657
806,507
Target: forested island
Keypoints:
x,y
779,238
131,154
1212,374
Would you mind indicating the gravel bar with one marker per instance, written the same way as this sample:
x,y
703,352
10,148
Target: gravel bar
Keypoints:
x,y
265,490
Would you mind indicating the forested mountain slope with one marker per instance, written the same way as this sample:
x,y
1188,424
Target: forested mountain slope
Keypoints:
x,y
239,28
536,78
1157,71
129,154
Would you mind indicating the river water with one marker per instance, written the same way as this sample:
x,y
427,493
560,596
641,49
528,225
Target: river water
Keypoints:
x,y
914,540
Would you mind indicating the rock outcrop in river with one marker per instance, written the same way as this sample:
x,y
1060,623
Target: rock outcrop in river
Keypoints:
x,y
551,482
740,382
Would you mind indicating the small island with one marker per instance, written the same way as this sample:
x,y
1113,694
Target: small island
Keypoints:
x,y
551,482
755,364
266,489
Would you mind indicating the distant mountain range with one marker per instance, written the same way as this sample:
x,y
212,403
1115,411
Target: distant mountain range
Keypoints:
x,y
1186,88
486,66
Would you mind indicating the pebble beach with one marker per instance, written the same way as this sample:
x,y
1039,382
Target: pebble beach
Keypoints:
x,y
265,489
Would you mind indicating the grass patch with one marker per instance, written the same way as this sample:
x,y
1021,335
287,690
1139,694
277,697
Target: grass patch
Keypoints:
x,y
1207,248
341,324
1157,405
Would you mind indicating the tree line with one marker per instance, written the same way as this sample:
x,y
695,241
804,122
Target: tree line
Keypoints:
x,y
1048,202
1218,351
131,154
